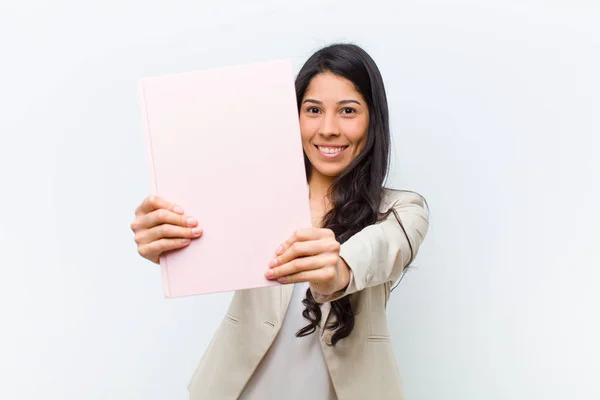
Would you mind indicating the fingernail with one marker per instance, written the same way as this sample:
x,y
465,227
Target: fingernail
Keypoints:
x,y
269,274
196,231
279,250
273,263
185,241
191,221
178,210
282,280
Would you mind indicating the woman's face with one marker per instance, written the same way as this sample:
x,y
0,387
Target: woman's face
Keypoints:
x,y
334,120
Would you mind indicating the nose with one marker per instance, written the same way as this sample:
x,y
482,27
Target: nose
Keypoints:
x,y
329,127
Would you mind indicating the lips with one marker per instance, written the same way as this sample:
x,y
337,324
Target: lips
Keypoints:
x,y
330,151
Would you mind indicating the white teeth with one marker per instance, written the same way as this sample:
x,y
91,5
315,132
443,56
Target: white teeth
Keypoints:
x,y
330,150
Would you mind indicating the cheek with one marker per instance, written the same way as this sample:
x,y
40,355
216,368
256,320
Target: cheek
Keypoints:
x,y
357,132
307,129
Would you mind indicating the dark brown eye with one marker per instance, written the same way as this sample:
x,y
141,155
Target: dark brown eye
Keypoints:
x,y
312,110
348,110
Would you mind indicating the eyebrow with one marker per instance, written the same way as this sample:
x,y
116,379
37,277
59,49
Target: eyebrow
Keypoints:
x,y
339,103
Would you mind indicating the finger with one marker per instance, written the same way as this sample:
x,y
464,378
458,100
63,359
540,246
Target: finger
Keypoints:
x,y
303,235
153,250
167,231
303,264
305,249
163,216
318,276
153,202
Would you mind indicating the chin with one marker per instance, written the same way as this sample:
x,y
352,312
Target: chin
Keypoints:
x,y
329,170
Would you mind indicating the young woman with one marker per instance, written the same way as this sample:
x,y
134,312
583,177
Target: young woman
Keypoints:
x,y
323,334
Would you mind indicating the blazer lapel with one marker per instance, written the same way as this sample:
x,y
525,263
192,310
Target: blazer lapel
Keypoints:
x,y
325,311
285,297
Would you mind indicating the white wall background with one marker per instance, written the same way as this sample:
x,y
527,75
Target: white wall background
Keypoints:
x,y
496,115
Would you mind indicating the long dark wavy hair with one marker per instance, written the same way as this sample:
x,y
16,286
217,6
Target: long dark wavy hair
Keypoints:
x,y
356,193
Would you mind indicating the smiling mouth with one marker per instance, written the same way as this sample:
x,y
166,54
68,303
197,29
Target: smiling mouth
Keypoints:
x,y
331,151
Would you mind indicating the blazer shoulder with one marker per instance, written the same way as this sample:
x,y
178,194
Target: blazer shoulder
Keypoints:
x,y
393,198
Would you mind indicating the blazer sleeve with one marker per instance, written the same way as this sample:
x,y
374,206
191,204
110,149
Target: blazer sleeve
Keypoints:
x,y
380,252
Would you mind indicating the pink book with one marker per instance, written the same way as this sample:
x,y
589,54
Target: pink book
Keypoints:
x,y
225,145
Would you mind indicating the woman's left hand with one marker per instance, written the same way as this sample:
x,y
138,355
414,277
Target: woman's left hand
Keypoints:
x,y
311,255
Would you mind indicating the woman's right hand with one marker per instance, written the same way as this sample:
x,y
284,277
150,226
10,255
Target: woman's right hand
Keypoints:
x,y
160,226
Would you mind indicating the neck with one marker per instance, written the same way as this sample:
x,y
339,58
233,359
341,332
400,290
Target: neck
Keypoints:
x,y
319,186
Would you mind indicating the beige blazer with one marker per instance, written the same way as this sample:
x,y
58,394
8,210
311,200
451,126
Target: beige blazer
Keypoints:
x,y
362,366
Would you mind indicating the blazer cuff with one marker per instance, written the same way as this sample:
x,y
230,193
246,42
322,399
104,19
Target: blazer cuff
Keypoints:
x,y
352,251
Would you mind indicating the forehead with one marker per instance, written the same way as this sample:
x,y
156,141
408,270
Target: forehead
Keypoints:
x,y
328,87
